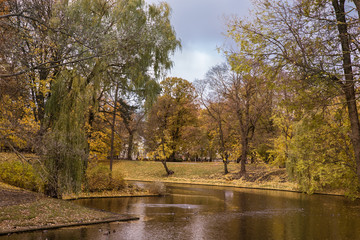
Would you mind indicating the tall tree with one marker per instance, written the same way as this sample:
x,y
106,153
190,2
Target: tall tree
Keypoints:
x,y
143,52
347,82
244,90
174,110
131,119
212,98
316,41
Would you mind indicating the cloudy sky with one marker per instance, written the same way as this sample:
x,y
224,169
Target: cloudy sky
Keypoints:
x,y
200,25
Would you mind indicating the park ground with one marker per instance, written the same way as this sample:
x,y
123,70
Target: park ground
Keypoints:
x,y
209,173
23,210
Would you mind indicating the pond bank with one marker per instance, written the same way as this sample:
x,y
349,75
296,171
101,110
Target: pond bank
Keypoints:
x,y
45,228
24,211
244,186
258,176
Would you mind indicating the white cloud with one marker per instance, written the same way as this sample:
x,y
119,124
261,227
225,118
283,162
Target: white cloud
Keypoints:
x,y
191,64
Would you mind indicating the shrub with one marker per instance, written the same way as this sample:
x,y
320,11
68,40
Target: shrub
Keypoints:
x,y
157,188
99,178
21,175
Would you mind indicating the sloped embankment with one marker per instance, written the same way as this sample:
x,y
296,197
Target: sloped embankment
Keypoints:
x,y
22,210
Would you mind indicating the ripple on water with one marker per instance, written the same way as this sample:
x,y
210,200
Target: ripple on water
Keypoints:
x,y
164,205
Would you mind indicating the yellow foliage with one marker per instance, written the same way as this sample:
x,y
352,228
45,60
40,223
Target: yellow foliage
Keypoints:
x,y
16,119
162,152
99,140
99,178
20,174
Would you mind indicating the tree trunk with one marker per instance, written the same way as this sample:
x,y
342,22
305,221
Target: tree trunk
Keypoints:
x,y
51,191
172,156
355,127
244,153
349,85
113,128
51,188
222,147
226,171
163,161
130,145
226,161
168,171
40,97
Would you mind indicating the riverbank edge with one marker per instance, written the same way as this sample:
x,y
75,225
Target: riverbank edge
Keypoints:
x,y
116,217
239,186
44,228
119,196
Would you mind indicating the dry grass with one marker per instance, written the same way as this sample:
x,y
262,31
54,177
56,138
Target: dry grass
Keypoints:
x,y
24,209
7,186
149,170
10,156
258,175
45,212
129,191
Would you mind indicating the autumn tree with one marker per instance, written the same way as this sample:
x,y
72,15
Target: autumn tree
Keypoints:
x,y
197,146
243,89
172,113
320,154
316,42
132,118
68,52
16,120
213,101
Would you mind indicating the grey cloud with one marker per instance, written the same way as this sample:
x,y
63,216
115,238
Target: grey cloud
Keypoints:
x,y
203,20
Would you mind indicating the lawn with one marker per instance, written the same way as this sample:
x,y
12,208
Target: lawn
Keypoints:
x,y
258,175
149,170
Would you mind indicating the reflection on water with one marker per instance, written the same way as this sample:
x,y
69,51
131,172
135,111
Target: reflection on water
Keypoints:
x,y
199,212
186,206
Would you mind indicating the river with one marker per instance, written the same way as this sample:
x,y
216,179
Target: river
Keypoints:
x,y
205,212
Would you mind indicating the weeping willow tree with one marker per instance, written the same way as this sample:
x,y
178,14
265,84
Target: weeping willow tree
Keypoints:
x,y
60,45
65,146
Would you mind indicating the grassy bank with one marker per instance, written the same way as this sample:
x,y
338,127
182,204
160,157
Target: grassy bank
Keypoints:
x,y
25,210
258,175
16,172
130,191
22,209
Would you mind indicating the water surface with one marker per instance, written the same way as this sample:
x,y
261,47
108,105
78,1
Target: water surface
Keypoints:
x,y
202,212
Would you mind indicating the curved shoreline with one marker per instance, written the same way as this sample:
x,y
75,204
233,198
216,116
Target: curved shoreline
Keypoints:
x,y
52,213
238,186
121,196
123,218
43,228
